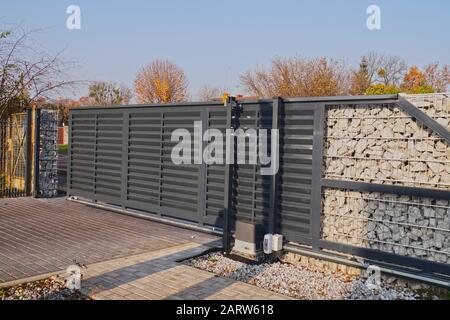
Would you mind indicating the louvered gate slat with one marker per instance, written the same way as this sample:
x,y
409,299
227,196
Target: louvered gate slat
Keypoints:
x,y
82,166
295,181
122,156
214,189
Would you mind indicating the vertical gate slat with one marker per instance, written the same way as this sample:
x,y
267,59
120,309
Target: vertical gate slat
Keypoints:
x,y
277,104
255,169
213,214
37,134
125,156
228,187
161,152
294,215
69,156
316,196
202,183
94,187
28,154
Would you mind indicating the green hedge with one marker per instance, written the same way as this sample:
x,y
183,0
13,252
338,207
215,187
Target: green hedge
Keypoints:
x,y
62,148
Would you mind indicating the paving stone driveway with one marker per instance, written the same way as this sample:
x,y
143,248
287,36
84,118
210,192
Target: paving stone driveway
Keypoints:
x,y
39,236
157,275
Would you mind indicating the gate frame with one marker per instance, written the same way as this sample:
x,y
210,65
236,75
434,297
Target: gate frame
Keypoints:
x,y
317,244
429,268
315,241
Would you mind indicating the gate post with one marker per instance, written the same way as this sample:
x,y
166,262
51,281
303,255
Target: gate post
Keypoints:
x,y
37,147
316,191
273,200
29,153
229,179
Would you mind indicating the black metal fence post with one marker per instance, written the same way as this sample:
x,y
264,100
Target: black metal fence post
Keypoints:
x,y
229,178
28,153
37,147
125,157
69,157
273,200
316,192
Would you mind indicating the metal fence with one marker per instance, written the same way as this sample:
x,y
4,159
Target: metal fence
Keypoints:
x,y
28,154
121,157
14,145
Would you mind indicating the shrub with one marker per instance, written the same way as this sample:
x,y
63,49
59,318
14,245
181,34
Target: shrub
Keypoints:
x,y
382,89
62,148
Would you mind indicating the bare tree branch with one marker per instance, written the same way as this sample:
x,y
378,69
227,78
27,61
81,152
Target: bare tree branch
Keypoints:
x,y
385,69
209,93
298,77
27,74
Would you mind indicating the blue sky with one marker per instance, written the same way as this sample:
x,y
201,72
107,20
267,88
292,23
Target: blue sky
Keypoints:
x,y
215,41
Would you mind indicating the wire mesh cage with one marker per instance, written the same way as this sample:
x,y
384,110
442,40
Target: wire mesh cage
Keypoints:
x,y
13,132
381,144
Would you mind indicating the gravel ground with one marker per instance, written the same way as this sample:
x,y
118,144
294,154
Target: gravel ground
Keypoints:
x,y
298,282
48,289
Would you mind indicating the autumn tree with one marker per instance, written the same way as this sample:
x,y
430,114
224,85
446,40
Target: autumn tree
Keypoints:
x,y
385,72
209,93
63,105
360,80
297,77
416,82
161,82
63,111
380,88
103,93
438,77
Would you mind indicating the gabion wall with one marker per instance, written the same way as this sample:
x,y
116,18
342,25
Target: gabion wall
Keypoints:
x,y
391,223
48,173
436,106
384,145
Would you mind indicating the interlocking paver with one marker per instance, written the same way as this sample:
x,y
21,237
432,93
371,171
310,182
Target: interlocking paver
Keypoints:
x,y
127,257
46,235
174,281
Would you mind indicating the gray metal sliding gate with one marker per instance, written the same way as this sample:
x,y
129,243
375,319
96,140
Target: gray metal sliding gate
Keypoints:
x,y
121,156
